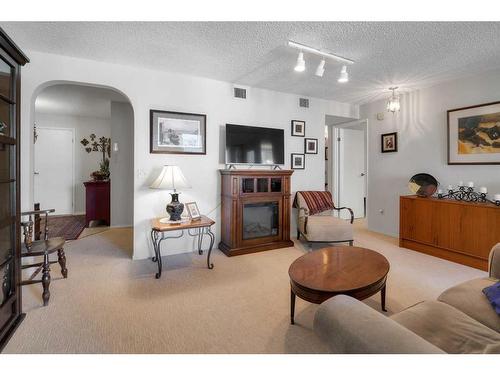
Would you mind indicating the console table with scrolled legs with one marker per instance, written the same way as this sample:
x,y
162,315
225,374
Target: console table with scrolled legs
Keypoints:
x,y
200,227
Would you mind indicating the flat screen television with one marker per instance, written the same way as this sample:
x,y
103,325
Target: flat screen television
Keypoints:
x,y
254,145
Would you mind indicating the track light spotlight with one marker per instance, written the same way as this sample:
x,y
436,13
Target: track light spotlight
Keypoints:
x,y
344,76
320,69
301,64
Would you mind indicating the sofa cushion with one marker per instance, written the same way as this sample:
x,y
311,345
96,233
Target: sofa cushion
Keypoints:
x,y
469,298
328,228
448,328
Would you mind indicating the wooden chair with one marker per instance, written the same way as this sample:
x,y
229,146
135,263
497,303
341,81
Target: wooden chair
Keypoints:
x,y
33,246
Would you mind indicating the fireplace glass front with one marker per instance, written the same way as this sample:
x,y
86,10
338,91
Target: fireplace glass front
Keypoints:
x,y
260,220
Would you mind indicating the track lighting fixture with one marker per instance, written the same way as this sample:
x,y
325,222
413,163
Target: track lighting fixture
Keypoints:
x,y
301,64
344,76
393,104
320,69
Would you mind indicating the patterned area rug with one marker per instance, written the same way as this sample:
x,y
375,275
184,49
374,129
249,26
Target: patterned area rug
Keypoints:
x,y
66,226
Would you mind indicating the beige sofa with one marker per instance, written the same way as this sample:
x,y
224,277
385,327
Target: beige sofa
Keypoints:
x,y
460,321
323,227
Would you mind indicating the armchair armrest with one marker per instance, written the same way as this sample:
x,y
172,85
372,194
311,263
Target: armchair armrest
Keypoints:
x,y
305,210
350,326
346,208
494,262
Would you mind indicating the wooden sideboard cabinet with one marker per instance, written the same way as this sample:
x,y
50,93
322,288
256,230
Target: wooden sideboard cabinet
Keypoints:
x,y
255,213
463,232
97,201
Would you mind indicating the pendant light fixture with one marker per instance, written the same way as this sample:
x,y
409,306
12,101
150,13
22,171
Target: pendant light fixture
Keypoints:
x,y
393,104
320,69
344,76
301,64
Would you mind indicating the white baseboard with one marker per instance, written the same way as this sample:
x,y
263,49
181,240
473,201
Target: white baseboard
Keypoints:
x,y
121,226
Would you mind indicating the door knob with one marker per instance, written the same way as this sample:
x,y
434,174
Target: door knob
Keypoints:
x,y
362,174
36,173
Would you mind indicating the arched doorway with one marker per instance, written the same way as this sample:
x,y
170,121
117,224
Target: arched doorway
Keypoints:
x,y
79,130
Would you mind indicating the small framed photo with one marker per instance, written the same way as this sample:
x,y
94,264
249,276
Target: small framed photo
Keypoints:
x,y
298,128
298,161
193,211
177,133
310,146
389,142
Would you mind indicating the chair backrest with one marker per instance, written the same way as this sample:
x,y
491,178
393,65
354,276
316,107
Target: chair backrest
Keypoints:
x,y
31,226
301,203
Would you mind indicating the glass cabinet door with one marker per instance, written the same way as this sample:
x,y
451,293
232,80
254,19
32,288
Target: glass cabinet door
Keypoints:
x,y
8,224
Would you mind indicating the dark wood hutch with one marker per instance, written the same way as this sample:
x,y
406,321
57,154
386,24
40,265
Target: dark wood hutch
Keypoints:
x,y
11,60
255,213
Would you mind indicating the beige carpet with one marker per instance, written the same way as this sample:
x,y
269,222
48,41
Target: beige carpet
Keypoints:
x,y
111,304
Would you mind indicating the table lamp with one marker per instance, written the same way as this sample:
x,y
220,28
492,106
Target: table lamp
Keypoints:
x,y
171,178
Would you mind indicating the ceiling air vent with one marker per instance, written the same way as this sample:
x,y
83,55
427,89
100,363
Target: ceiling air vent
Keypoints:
x,y
304,103
240,93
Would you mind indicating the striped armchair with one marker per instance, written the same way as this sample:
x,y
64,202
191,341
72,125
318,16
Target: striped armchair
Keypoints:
x,y
315,221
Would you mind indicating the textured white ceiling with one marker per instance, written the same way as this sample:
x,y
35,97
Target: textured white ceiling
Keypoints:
x,y
77,100
407,54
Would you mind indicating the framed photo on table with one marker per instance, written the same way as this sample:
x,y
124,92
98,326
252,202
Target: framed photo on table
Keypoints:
x,y
193,211
474,134
177,133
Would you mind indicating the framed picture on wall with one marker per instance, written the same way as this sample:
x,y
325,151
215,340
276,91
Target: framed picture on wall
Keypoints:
x,y
298,161
389,142
298,128
310,146
177,132
474,134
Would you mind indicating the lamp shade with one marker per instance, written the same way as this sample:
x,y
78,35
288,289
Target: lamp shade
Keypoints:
x,y
170,178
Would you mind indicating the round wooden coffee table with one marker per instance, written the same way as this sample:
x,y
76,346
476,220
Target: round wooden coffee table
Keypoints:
x,y
322,274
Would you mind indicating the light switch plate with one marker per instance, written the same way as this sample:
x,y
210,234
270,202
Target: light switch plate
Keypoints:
x,y
380,116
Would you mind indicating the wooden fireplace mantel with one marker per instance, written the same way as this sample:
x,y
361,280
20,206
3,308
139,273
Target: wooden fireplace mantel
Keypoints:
x,y
243,186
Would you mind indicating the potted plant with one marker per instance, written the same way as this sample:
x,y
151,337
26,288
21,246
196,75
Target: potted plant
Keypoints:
x,y
102,145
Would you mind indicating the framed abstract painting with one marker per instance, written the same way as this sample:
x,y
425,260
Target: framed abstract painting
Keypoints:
x,y
474,134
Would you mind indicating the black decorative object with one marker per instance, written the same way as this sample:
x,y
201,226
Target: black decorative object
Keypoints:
x,y
467,194
423,185
175,208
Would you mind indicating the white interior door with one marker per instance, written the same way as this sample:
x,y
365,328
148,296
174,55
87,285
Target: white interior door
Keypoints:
x,y
53,180
352,171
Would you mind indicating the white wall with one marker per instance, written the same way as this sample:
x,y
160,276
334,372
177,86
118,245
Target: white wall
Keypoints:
x,y
422,144
85,163
149,89
122,164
